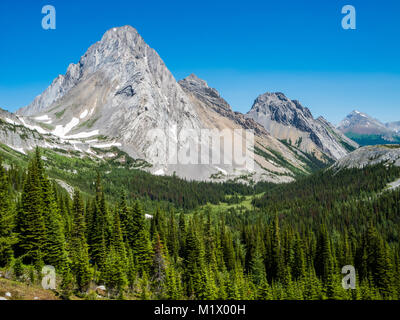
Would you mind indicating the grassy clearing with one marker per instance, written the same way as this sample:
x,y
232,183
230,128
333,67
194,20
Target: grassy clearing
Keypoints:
x,y
22,291
245,204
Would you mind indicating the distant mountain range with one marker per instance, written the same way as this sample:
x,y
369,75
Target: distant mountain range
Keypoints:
x,y
366,130
121,90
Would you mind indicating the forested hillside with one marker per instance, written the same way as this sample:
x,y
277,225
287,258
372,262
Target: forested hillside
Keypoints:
x,y
123,175
291,244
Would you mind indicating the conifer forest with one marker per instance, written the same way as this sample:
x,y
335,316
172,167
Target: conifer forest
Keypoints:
x,y
218,241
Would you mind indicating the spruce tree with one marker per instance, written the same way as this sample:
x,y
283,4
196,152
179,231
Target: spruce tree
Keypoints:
x,y
78,248
30,222
7,237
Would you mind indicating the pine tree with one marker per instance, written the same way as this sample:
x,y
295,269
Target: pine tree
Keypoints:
x,y
140,243
30,222
7,237
159,269
54,251
97,235
113,273
117,239
78,248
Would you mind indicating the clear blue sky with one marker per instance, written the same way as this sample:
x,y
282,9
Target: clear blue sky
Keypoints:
x,y
242,48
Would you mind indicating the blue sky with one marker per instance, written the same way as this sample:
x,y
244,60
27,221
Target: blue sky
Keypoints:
x,y
242,48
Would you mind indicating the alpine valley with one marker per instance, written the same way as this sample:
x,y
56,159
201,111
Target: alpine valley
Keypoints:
x,y
82,189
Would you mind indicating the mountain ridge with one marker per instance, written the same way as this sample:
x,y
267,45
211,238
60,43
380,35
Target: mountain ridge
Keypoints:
x,y
289,120
120,92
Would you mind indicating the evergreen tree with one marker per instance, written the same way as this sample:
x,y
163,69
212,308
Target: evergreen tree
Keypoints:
x,y
78,247
30,221
7,237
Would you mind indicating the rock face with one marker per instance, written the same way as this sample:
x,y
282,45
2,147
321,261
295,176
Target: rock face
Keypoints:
x,y
211,97
288,120
121,94
370,155
367,130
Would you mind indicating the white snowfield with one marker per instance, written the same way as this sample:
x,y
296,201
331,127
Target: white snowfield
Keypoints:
x,y
43,118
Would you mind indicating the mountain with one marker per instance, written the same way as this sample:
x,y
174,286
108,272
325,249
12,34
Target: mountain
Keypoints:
x,y
370,155
120,94
288,120
366,130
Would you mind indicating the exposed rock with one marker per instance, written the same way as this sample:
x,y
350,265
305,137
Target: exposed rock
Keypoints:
x,y
370,155
288,120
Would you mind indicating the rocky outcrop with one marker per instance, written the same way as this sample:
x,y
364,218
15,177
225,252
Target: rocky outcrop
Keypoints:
x,y
370,155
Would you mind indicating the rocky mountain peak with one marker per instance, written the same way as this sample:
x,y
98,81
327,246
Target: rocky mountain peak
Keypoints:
x,y
361,123
289,120
121,57
281,109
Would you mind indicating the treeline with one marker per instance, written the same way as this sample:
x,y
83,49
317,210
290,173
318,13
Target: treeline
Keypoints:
x,y
118,178
263,254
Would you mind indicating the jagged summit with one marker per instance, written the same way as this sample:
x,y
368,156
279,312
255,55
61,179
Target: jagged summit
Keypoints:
x,y
119,55
288,120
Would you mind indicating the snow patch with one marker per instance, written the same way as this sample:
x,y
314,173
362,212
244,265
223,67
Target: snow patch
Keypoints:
x,y
84,114
10,121
20,150
38,129
83,135
159,172
62,131
107,145
43,118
